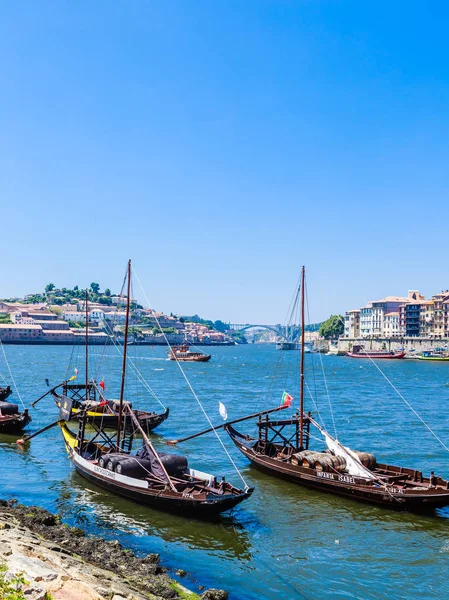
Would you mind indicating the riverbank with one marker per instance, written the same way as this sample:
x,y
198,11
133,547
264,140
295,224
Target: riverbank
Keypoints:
x,y
409,344
52,561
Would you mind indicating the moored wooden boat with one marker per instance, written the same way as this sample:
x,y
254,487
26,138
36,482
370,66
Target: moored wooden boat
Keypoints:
x,y
99,410
181,490
360,352
161,480
15,422
184,354
282,449
391,486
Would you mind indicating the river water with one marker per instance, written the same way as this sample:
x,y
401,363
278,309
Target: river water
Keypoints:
x,y
286,541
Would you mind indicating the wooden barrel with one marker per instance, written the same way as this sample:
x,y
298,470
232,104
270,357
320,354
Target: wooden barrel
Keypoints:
x,y
367,459
330,463
309,460
298,456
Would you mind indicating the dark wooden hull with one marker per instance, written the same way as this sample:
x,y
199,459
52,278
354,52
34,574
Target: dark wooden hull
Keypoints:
x,y
14,423
5,393
342,484
147,420
207,505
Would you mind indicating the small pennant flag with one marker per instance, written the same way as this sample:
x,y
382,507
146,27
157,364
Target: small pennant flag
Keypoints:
x,y
72,377
101,384
76,371
286,399
223,411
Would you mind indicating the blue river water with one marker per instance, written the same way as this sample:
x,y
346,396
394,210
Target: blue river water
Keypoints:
x,y
286,541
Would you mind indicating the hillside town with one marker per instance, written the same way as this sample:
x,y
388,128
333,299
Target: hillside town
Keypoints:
x,y
398,317
43,318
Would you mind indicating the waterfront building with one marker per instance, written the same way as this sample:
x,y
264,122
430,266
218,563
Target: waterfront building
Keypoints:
x,y
21,318
352,323
391,325
366,320
440,311
426,318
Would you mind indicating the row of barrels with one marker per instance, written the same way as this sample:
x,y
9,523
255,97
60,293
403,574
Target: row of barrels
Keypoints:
x,y
325,461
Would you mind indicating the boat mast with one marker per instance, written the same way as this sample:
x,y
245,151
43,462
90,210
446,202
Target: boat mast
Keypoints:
x,y
125,343
301,389
87,346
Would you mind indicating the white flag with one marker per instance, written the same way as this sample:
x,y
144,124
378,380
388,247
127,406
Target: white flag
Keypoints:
x,y
223,411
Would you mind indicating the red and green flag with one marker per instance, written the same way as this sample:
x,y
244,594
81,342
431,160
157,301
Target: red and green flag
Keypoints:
x,y
286,399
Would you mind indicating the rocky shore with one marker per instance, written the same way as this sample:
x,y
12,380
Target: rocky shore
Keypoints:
x,y
48,560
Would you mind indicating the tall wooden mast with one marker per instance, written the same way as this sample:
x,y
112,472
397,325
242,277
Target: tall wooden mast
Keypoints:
x,y
87,345
125,345
301,388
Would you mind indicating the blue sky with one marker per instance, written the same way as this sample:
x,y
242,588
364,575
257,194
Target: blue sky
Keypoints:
x,y
221,145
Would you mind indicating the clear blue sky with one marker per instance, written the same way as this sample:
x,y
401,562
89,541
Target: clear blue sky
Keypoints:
x,y
221,145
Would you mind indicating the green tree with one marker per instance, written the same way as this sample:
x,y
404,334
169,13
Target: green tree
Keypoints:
x,y
221,326
49,287
107,292
332,328
75,289
95,287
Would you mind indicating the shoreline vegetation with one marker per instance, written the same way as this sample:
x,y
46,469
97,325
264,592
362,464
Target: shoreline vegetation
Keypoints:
x,y
42,558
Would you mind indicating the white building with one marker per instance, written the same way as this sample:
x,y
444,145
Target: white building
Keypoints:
x,y
20,318
366,320
117,318
352,323
74,316
391,325
96,315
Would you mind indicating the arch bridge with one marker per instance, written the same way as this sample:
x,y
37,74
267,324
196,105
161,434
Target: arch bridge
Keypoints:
x,y
289,334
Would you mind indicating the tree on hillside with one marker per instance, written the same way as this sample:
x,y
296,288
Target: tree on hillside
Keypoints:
x,y
95,287
221,326
332,328
49,287
75,289
107,292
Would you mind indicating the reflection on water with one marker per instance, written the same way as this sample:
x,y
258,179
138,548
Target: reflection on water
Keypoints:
x,y
85,503
286,542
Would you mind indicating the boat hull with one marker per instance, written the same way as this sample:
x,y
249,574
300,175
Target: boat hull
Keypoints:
x,y
14,423
201,358
342,484
138,490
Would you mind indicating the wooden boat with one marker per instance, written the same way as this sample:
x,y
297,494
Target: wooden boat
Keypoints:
x,y
161,480
89,396
98,409
5,392
282,448
360,352
12,420
437,354
182,353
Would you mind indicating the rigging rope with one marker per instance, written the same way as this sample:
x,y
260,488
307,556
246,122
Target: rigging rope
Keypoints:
x,y
10,374
190,386
407,403
136,371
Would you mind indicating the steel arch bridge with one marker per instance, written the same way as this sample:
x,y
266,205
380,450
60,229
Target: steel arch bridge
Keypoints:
x,y
279,330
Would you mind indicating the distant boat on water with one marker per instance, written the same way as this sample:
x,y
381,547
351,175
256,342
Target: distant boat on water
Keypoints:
x,y
360,352
438,354
183,353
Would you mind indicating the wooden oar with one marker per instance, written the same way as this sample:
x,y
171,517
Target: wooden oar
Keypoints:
x,y
46,394
190,437
27,438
